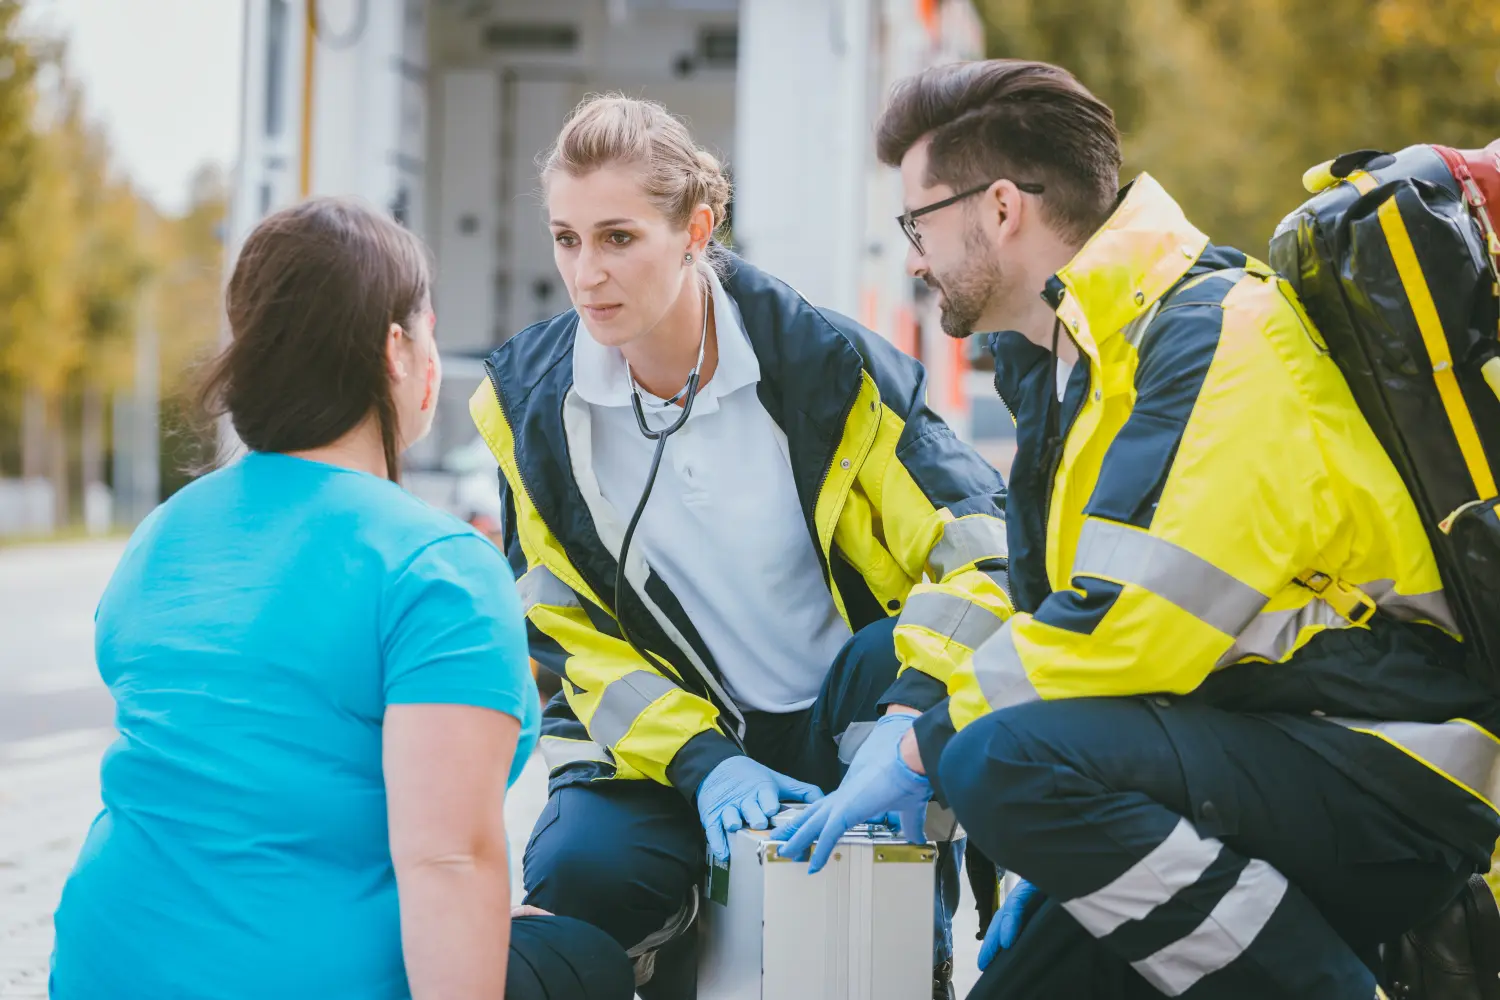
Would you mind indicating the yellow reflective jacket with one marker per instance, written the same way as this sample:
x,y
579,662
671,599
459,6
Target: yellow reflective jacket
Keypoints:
x,y
1211,504
888,493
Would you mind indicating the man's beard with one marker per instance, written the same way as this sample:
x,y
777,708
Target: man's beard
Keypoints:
x,y
967,293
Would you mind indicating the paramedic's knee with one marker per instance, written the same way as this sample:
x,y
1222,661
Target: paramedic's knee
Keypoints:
x,y
867,662
988,779
625,884
863,671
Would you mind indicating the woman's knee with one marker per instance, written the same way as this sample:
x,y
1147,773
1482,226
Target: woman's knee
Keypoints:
x,y
552,958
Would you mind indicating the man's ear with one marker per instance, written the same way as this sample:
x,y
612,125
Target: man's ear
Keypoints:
x,y
1006,206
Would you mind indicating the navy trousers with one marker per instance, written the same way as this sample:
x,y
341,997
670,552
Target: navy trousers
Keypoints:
x,y
625,855
1284,890
557,958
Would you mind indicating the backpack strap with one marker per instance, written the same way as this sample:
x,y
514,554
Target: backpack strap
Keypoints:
x,y
1484,935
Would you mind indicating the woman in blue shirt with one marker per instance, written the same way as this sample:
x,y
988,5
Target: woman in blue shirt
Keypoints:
x,y
322,684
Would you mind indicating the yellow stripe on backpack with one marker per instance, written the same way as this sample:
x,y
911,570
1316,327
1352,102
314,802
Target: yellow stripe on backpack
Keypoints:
x,y
1431,328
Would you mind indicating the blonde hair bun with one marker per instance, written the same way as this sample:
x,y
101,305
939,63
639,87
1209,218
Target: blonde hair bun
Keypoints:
x,y
609,129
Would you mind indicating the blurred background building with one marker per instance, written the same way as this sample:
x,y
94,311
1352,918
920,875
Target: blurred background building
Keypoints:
x,y
436,109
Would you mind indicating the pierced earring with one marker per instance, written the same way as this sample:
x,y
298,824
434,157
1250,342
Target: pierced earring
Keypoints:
x,y
687,258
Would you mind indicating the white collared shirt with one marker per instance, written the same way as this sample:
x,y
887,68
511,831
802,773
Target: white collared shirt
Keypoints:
x,y
723,529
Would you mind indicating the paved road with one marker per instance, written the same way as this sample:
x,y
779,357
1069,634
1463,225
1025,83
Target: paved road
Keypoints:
x,y
55,721
48,684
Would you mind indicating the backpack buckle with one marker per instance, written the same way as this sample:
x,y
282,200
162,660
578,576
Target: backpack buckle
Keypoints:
x,y
1345,598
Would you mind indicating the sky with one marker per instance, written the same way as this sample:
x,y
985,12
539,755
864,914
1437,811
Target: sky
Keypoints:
x,y
163,76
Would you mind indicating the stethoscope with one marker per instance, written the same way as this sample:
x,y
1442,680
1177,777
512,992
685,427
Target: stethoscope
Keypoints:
x,y
687,394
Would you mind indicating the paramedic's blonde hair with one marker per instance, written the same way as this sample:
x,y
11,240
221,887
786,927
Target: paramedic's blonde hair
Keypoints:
x,y
677,174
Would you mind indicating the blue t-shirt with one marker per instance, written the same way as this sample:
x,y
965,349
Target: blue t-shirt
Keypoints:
x,y
257,627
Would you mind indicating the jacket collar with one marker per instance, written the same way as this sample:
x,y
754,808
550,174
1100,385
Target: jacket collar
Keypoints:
x,y
1134,259
793,343
809,377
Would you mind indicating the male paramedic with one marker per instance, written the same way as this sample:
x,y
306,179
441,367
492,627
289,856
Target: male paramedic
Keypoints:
x,y
1221,729
786,490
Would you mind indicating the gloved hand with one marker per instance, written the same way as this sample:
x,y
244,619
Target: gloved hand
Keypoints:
x,y
1020,903
741,792
878,782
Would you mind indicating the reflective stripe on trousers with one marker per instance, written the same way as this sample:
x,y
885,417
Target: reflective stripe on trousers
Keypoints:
x,y
1174,866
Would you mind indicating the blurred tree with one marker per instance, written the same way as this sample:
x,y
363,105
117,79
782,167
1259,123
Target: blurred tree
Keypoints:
x,y
18,166
72,264
44,343
191,259
1228,101
189,311
112,265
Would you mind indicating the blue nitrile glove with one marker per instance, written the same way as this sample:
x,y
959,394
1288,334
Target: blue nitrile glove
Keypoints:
x,y
1020,903
741,792
878,782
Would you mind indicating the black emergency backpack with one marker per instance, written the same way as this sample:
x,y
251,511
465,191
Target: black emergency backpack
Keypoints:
x,y
1396,259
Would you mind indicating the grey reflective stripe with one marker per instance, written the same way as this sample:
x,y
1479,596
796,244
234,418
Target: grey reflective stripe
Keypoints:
x,y
540,586
622,703
1000,672
941,825
1429,607
1128,555
558,751
955,618
1461,750
968,540
1223,937
642,954
1135,330
852,738
1175,864
1273,634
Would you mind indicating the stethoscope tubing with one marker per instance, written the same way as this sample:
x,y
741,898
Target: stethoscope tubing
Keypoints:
x,y
688,394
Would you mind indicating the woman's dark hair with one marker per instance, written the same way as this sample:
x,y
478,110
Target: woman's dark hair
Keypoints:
x,y
310,304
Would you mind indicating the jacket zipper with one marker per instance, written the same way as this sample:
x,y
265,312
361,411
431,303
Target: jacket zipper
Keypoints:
x,y
1057,444
827,558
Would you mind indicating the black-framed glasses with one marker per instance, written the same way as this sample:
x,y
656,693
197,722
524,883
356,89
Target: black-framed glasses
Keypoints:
x,y
908,220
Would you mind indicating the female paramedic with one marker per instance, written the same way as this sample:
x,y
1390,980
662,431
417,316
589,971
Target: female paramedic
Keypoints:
x,y
321,683
719,500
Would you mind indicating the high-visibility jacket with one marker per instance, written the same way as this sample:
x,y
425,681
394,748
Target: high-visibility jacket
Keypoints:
x,y
1210,511
888,495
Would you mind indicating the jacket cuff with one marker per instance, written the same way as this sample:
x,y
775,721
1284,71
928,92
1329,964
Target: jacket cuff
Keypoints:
x,y
696,758
920,691
934,728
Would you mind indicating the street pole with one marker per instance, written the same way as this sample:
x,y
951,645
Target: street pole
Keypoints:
x,y
137,441
146,481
